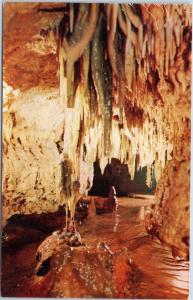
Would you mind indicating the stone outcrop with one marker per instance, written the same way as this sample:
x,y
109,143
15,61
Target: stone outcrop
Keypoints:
x,y
31,161
170,219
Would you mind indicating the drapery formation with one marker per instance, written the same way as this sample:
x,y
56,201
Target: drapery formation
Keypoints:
x,y
124,78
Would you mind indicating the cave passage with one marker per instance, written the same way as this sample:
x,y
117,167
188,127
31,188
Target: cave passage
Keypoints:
x,y
117,175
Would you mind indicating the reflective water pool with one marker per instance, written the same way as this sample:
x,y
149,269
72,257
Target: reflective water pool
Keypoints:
x,y
120,261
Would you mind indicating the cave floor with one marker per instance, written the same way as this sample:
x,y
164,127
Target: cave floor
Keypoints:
x,y
153,273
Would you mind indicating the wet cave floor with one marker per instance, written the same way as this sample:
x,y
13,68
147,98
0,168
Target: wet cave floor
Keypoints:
x,y
121,261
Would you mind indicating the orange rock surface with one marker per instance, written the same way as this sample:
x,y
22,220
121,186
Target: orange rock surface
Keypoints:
x,y
59,106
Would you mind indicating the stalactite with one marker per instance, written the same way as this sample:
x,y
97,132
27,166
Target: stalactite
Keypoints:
x,y
123,26
103,82
101,127
144,46
71,17
111,36
135,20
108,14
149,176
128,56
74,52
107,109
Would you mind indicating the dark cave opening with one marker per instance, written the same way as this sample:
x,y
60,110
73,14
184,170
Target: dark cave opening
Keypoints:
x,y
117,174
44,267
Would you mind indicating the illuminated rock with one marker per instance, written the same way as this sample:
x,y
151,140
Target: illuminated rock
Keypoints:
x,y
128,61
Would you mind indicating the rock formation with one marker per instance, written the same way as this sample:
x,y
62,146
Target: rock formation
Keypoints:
x,y
96,81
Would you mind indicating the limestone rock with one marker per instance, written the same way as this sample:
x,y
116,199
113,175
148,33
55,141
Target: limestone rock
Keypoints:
x,y
31,160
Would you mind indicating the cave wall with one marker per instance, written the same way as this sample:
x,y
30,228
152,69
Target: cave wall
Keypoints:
x,y
33,117
173,214
170,220
32,131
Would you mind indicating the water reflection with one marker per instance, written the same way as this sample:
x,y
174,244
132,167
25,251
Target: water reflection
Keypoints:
x,y
153,273
163,276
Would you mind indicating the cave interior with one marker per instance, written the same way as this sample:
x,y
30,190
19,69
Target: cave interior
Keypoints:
x,y
96,150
